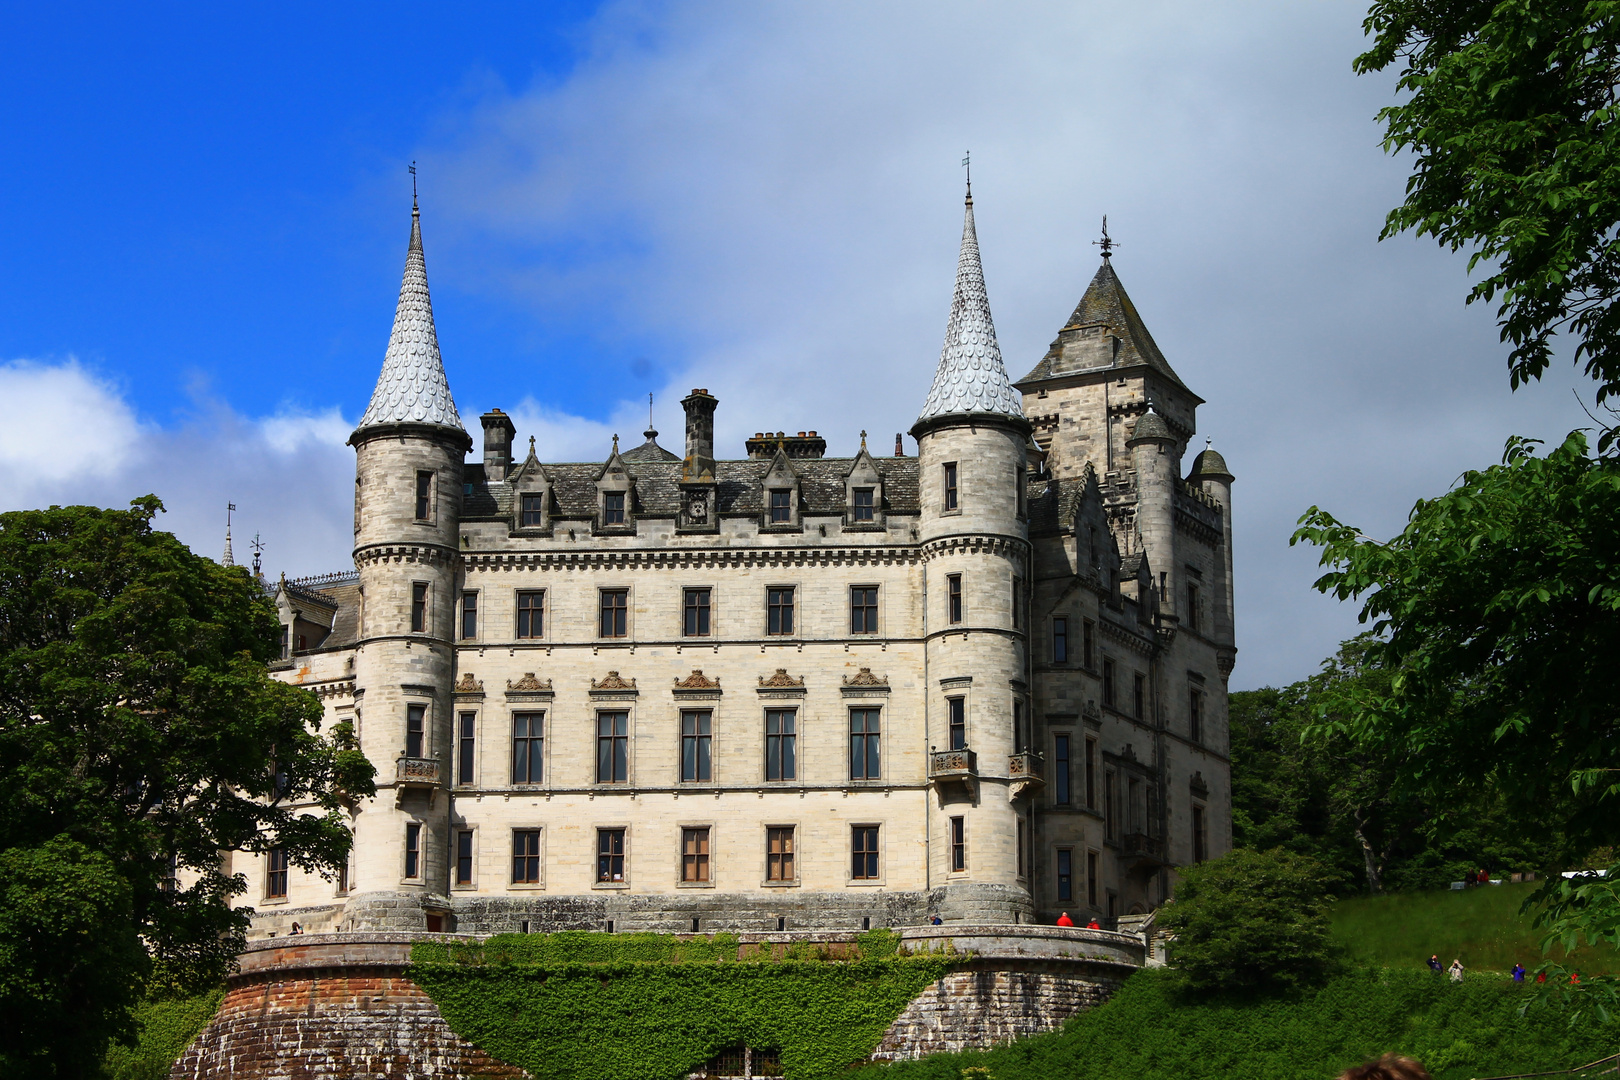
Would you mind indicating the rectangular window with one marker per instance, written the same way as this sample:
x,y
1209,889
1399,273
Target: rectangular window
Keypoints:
x,y
464,857
1195,715
958,844
525,856
1017,602
779,611
864,846
695,612
469,615
415,729
1022,840
1192,607
1060,641
286,634
531,614
950,485
610,855
531,510
613,508
1018,487
1091,878
781,506
956,712
953,598
1138,696
781,744
864,759
1109,809
1020,742
695,855
528,747
1088,643
419,595
466,745
1108,683
1091,774
424,496
413,850
1065,874
864,504
615,612
1200,841
612,747
275,877
1060,771
863,609
779,853
695,745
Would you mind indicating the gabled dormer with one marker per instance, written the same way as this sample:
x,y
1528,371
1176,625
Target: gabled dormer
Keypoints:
x,y
779,499
863,492
531,495
615,495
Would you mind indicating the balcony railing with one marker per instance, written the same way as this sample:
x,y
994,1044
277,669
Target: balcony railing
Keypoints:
x,y
960,764
1139,845
417,772
1025,765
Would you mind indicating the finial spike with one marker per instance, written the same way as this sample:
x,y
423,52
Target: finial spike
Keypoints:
x,y
229,559
967,163
413,186
1107,245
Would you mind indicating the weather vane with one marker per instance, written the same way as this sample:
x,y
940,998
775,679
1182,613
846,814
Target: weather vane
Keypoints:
x,y
1105,243
413,183
258,553
967,163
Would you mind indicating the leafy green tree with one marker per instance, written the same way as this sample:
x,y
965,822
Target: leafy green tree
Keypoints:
x,y
1510,117
1252,921
140,738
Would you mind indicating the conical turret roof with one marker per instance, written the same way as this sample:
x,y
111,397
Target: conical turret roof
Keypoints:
x,y
971,379
1106,303
412,388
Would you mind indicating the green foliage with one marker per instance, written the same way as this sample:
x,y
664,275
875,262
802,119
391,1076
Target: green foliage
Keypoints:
x,y
1251,921
1515,136
167,1026
1485,928
651,1006
140,736
1148,1031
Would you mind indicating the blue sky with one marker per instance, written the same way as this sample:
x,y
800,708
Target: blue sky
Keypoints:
x,y
204,211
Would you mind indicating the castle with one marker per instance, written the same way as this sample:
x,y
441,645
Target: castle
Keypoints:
x,y
985,683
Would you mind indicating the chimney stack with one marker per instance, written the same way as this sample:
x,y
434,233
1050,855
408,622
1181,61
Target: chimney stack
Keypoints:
x,y
899,447
698,468
498,434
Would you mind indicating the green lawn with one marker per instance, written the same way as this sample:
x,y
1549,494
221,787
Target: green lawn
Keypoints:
x,y
1480,926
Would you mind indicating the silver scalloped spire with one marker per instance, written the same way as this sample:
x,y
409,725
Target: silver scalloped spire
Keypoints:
x,y
412,388
971,377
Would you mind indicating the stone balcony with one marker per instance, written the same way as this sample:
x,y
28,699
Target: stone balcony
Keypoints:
x,y
1024,770
416,772
1147,852
960,764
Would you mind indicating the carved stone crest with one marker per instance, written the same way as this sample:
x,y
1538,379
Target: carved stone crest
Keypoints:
x,y
864,677
697,681
528,682
781,679
613,682
468,685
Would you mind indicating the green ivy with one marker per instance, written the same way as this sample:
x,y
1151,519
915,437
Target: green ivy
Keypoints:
x,y
167,1026
586,1006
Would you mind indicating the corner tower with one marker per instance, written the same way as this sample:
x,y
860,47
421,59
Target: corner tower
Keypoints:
x,y
409,451
971,444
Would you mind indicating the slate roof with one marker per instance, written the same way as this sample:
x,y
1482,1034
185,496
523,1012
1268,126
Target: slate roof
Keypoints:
x,y
739,487
971,377
1106,302
649,450
412,388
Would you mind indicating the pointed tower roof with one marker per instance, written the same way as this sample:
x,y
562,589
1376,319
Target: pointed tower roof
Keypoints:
x,y
971,379
412,388
1105,304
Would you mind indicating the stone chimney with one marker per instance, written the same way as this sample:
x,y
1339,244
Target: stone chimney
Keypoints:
x,y
698,467
498,433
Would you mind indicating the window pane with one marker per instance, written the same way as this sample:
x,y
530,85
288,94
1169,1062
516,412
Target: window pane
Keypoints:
x,y
415,721
696,613
1060,778
863,504
532,513
613,508
424,496
530,608
958,723
464,857
464,750
1060,641
469,615
1065,882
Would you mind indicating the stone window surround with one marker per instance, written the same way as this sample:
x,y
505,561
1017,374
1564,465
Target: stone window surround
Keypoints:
x,y
713,587
765,849
480,616
432,496
545,613
477,745
511,853
958,686
427,609
455,854
715,743
950,848
680,853
544,709
421,852
883,852
629,611
423,696
849,734
765,609
280,898
950,487
881,621
596,851
597,708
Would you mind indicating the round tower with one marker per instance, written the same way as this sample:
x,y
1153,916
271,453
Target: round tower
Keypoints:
x,y
409,451
971,446
1209,472
1154,459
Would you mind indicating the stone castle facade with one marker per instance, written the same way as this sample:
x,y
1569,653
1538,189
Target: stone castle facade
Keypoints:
x,y
785,691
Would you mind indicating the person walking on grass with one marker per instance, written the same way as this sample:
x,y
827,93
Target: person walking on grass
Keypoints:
x,y
1456,971
1518,973
1388,1067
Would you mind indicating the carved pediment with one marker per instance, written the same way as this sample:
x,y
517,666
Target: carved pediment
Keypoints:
x,y
864,677
1197,787
528,683
613,682
697,681
781,680
468,685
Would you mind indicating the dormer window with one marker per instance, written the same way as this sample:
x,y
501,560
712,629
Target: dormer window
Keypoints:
x,y
863,504
781,506
532,510
613,508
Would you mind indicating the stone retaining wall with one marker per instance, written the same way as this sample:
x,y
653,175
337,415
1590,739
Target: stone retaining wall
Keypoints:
x,y
342,1006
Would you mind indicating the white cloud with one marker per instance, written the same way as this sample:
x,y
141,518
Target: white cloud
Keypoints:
x,y
62,421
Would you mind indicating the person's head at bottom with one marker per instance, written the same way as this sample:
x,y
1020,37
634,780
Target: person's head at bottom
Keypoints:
x,y
1388,1067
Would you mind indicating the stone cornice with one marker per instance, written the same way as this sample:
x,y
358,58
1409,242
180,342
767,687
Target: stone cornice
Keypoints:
x,y
697,558
974,544
1142,642
433,554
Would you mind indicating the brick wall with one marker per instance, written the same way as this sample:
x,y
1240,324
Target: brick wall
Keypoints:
x,y
969,1010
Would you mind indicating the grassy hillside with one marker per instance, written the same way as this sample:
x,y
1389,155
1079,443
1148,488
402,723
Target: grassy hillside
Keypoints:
x,y
1459,1032
1482,927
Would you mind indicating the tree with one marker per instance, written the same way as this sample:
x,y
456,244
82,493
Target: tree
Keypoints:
x,y
1512,122
140,737
1251,920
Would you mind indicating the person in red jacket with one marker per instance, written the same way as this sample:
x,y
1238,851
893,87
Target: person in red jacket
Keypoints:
x,y
1093,925
1064,920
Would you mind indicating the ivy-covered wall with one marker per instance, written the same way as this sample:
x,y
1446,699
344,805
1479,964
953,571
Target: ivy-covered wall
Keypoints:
x,y
585,1006
167,1026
